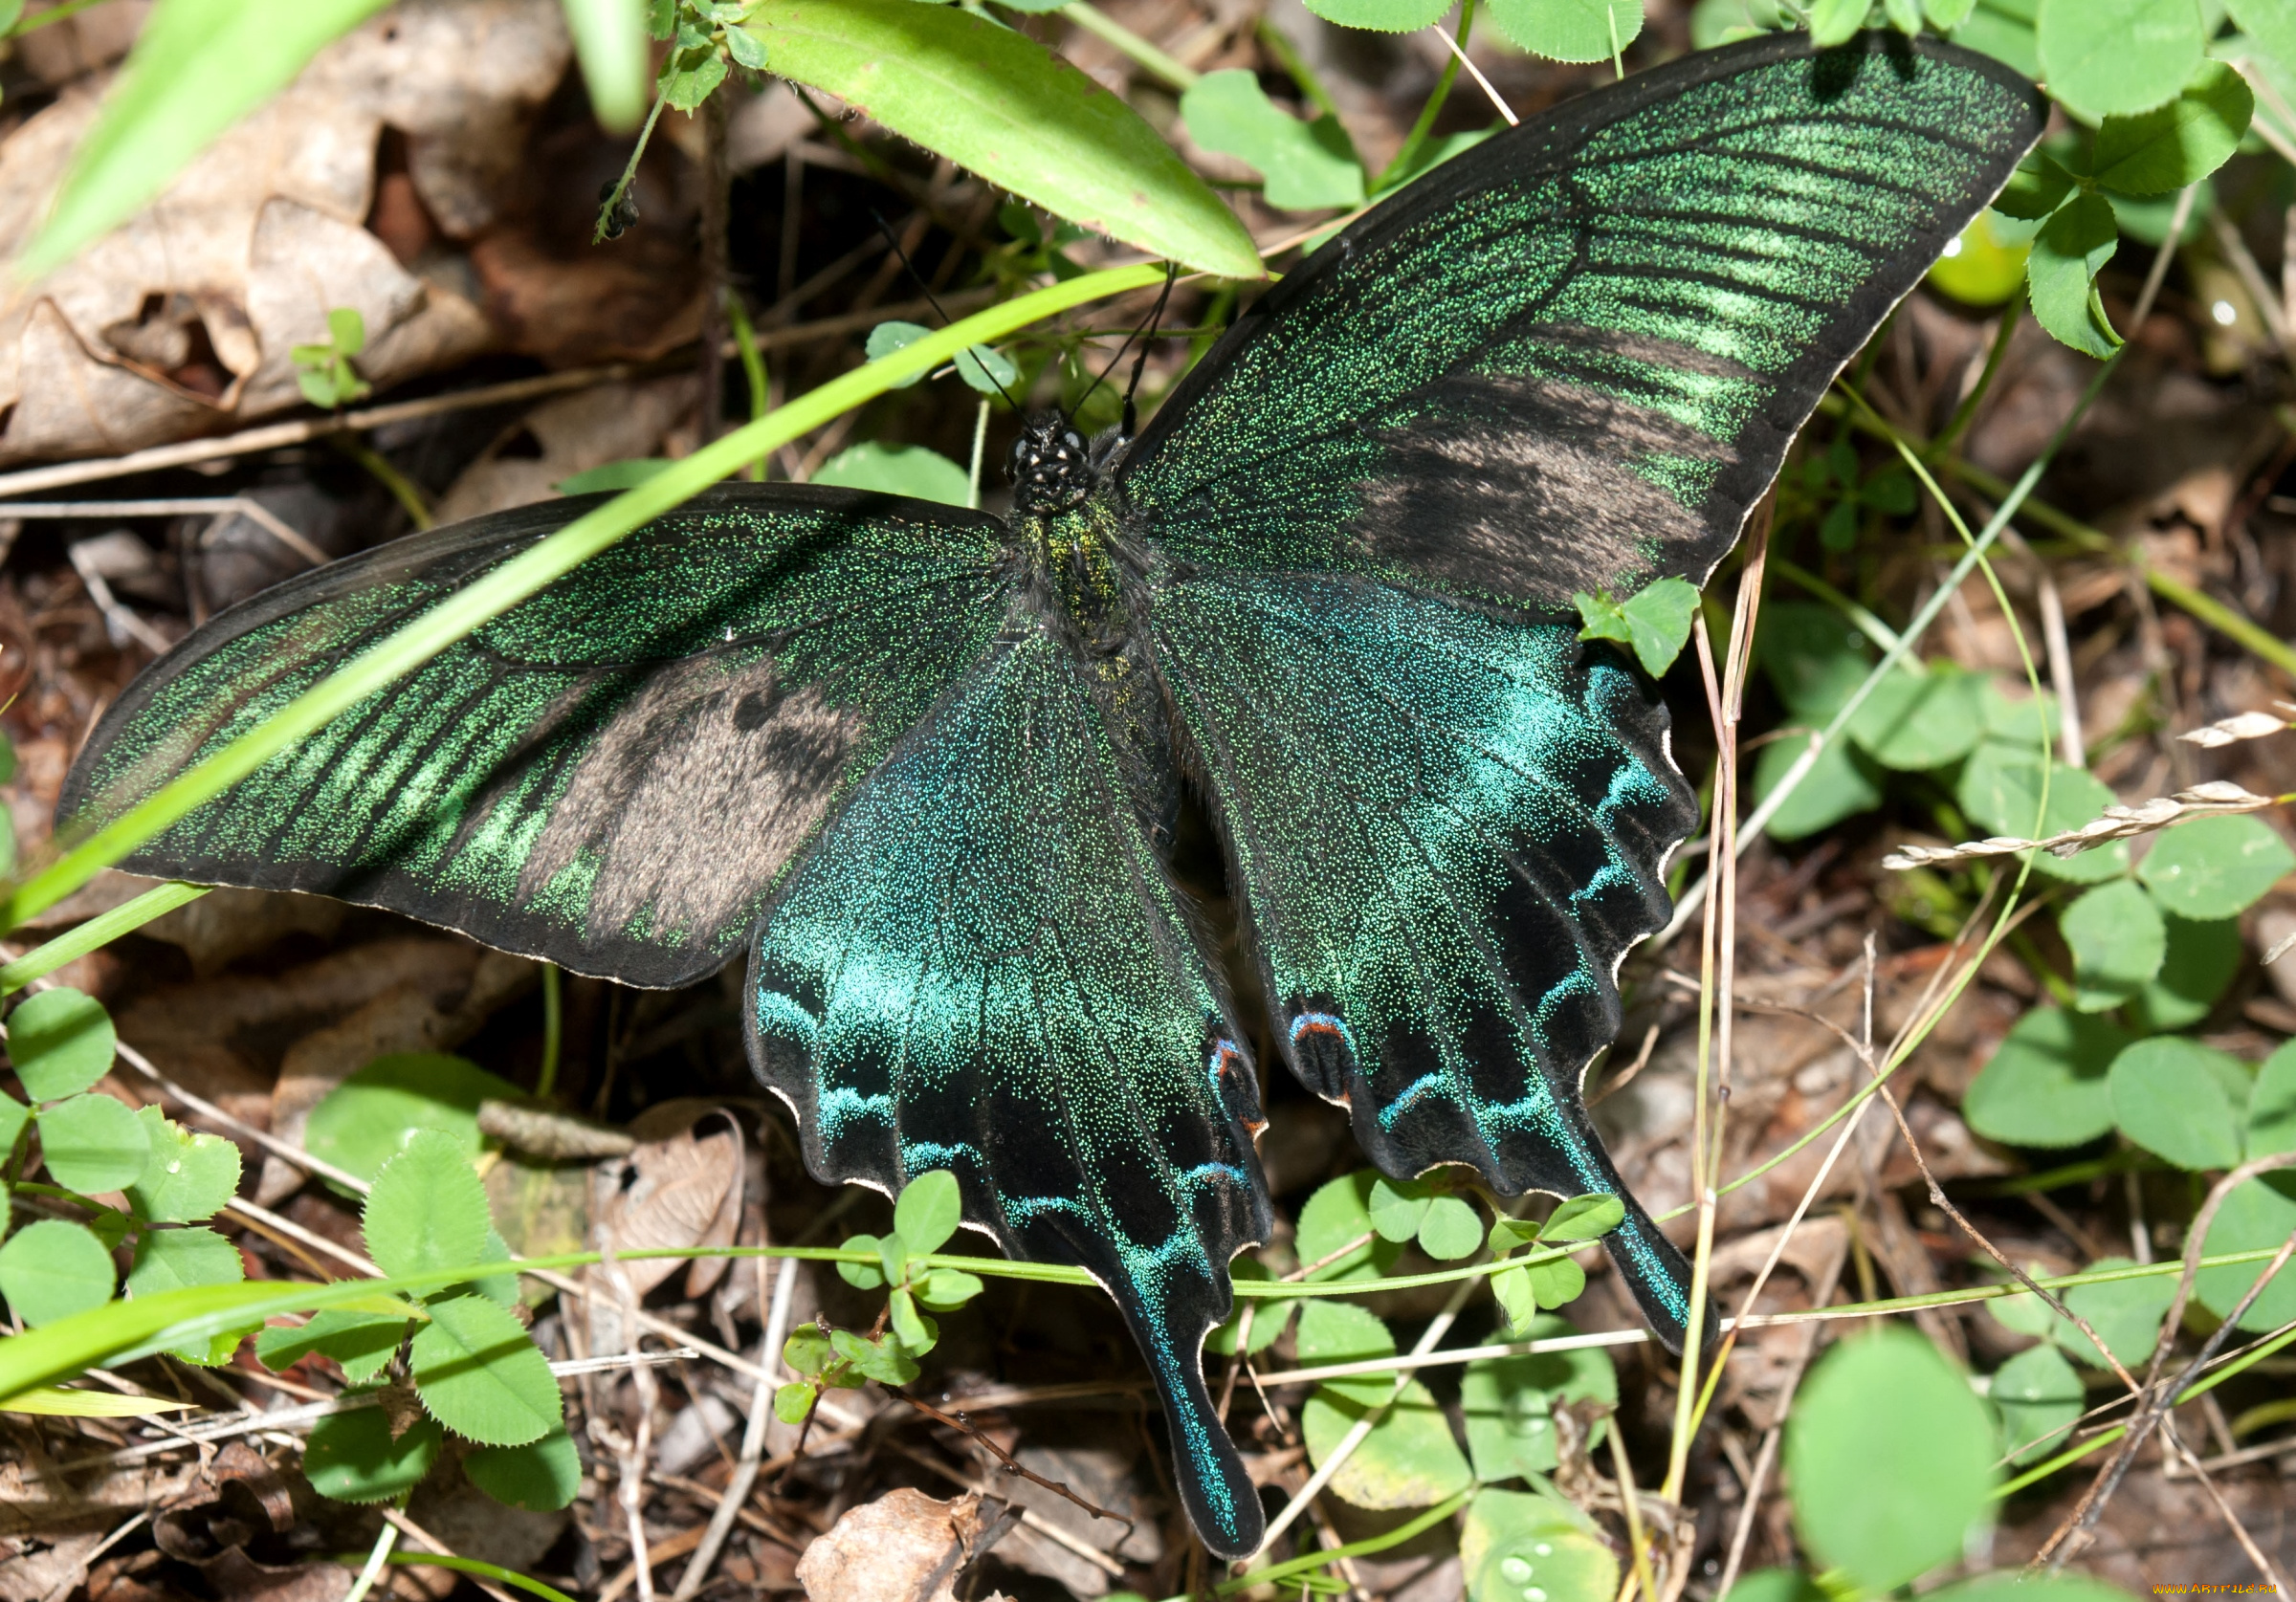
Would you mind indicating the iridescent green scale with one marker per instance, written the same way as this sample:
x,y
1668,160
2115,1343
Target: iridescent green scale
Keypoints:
x,y
927,763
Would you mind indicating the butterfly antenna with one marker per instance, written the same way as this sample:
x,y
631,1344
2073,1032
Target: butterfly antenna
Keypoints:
x,y
931,299
1140,362
1136,334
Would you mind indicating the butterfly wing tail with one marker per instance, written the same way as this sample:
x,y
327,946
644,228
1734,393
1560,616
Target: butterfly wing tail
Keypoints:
x,y
1659,1274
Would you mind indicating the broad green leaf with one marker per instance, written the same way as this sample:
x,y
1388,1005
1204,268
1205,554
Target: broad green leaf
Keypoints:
x,y
481,1375
1517,1299
1585,1217
1308,167
172,1258
2161,150
1570,30
1409,1459
1655,622
1509,1402
1269,1319
2111,57
2258,1215
892,1258
1385,16
2046,1084
1336,1214
189,1176
2025,1312
2019,720
2271,1123
1833,22
609,41
947,1289
1916,724
1813,658
2068,252
981,368
882,1359
918,1334
1719,22
13,1116
1507,1234
428,1209
1888,1458
61,1042
929,1210
862,1276
2117,939
368,1119
997,102
1556,1283
58,1401
793,1402
2038,187
2214,867
1999,792
807,1351
2272,25
1513,1545
360,1342
2202,960
2040,1396
1980,267
541,1476
2003,30
1452,1230
688,76
51,1269
350,1457
2181,1100
1331,1330
1905,15
92,1143
987,371
2126,1313
197,68
886,337
1840,784
1397,1206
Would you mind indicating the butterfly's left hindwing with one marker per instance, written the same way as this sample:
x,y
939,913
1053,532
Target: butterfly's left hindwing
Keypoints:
x,y
609,774
982,967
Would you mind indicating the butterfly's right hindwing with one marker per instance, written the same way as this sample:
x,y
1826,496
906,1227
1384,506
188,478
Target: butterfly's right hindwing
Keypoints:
x,y
611,775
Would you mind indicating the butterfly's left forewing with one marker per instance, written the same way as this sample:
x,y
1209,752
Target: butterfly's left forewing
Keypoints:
x,y
982,967
611,775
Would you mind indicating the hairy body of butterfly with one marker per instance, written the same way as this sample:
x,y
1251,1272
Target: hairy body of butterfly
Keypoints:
x,y
924,763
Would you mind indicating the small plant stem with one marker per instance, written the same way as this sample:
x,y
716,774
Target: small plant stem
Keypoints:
x,y
1295,67
402,489
376,1558
1637,1540
1424,129
1275,1573
479,1568
1966,413
1096,23
753,369
629,171
554,1016
98,930
972,497
716,201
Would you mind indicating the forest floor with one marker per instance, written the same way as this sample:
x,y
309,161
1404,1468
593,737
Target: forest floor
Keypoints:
x,y
2179,481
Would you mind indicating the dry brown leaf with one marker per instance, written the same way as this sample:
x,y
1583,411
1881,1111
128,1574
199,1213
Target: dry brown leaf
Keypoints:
x,y
182,320
902,1546
672,1190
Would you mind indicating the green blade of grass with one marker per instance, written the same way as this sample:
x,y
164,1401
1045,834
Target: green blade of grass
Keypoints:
x,y
98,930
528,572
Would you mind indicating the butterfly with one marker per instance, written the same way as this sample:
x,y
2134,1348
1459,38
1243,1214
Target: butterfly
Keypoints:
x,y
926,765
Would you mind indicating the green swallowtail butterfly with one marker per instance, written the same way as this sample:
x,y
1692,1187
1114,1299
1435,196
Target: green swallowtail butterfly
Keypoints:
x,y
925,763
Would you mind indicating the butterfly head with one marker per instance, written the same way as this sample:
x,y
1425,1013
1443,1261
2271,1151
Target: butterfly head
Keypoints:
x,y
1053,466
